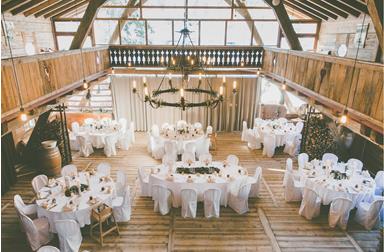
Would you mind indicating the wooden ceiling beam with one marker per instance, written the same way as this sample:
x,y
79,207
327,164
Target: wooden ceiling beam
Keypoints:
x,y
40,7
11,4
330,8
320,9
375,9
309,10
286,25
343,7
72,5
73,8
26,6
357,4
86,23
302,11
53,7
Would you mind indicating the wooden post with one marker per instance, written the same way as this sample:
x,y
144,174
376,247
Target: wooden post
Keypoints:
x,y
286,25
375,9
86,23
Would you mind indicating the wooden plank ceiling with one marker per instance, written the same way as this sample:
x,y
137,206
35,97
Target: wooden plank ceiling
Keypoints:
x,y
315,9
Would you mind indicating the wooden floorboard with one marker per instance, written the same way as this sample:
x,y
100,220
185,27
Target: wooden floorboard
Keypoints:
x,y
149,231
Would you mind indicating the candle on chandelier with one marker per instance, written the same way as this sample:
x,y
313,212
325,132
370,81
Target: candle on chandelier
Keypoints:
x,y
144,80
221,91
182,92
234,84
200,76
134,84
146,93
170,76
224,79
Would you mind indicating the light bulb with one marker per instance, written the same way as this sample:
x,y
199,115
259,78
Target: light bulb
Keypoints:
x,y
224,79
85,84
181,92
192,62
343,119
113,70
170,76
284,87
144,79
234,84
221,91
258,72
23,117
200,76
134,84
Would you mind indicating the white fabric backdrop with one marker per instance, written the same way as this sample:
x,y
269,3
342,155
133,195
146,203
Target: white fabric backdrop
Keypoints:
x,y
225,117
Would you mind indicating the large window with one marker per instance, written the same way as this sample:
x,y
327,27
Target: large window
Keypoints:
x,y
133,33
239,33
104,32
159,32
212,33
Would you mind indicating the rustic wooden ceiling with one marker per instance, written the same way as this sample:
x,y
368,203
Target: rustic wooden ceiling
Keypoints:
x,y
316,9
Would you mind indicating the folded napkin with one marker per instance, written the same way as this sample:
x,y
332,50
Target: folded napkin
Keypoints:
x,y
69,207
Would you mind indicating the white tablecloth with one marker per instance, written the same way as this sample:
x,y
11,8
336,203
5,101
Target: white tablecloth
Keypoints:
x,y
98,136
358,187
200,183
182,141
280,130
81,213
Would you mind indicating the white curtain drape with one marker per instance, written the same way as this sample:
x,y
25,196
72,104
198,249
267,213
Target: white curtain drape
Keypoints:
x,y
227,116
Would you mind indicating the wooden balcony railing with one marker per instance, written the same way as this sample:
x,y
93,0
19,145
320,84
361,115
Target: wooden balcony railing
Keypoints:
x,y
150,56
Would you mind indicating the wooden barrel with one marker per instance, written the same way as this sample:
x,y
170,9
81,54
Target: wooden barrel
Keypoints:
x,y
50,161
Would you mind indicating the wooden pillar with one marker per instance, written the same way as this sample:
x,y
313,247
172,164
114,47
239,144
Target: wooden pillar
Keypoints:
x,y
375,9
86,23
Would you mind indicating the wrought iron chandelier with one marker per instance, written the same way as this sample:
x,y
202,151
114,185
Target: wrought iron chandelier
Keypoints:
x,y
184,62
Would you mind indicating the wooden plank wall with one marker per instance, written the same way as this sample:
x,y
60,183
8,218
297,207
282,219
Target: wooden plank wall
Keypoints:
x,y
42,77
304,69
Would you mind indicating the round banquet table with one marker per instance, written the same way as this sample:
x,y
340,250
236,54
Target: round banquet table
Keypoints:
x,y
81,211
97,137
160,176
358,187
280,132
182,140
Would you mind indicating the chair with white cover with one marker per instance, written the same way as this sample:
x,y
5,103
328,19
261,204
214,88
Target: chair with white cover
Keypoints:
x,y
121,206
121,183
164,126
162,197
197,125
292,192
302,159
28,210
37,231
291,143
157,147
233,160
244,133
339,212
310,205
299,127
89,121
39,182
368,214
202,146
190,147
255,188
288,169
48,249
188,203
69,235
238,201
205,158
132,131
145,189
170,149
104,168
85,145
124,124
73,141
269,143
330,156
155,131
110,145
254,139
168,160
379,181
212,203
188,157
75,127
355,164
209,130
124,140
181,124
258,121
282,120
69,170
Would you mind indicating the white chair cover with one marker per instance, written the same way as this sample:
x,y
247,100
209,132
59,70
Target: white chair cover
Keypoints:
x,y
124,140
75,127
299,127
181,124
367,214
379,180
330,156
282,120
212,203
69,170
122,211
310,205
110,145
244,133
124,124
155,131
239,202
202,146
104,168
69,235
164,126
302,159
188,203
73,141
188,156
292,192
48,249
89,120
170,148
291,143
209,130
37,231
85,145
21,207
145,189
269,145
339,212
190,147
157,147
39,182
163,199
121,182
355,164
258,121
233,160
206,158
288,169
168,161
255,188
198,125
254,139
132,131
